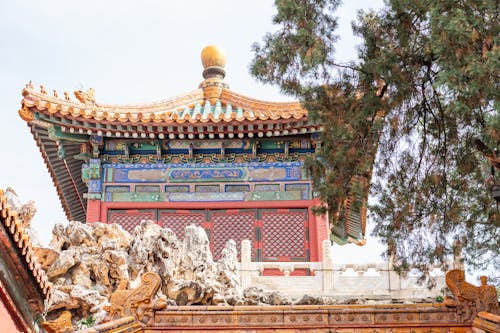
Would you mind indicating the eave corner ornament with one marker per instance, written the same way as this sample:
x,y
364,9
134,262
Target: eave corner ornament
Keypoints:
x,y
26,114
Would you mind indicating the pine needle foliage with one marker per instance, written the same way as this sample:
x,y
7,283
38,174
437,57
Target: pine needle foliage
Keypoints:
x,y
403,119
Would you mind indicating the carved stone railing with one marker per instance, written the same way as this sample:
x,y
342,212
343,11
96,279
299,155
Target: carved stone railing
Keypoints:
x,y
329,279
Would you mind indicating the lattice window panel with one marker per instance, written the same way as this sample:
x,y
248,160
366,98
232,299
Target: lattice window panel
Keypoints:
x,y
284,234
236,226
129,219
178,221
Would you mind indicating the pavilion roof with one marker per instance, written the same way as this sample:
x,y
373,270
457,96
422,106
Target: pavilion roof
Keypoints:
x,y
189,108
196,114
212,109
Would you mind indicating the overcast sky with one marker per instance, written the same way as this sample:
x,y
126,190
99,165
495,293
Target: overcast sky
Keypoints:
x,y
129,52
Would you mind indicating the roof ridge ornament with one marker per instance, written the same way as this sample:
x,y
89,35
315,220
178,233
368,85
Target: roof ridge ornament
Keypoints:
x,y
213,59
86,97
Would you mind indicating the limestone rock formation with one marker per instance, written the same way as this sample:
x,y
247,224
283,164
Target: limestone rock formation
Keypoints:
x,y
188,271
26,210
93,264
100,270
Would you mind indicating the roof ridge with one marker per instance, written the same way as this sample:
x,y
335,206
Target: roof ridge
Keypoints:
x,y
187,98
193,107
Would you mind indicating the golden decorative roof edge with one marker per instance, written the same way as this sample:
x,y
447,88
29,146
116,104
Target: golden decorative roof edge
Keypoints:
x,y
14,226
170,111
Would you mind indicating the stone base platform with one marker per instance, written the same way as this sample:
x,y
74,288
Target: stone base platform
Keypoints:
x,y
393,318
309,318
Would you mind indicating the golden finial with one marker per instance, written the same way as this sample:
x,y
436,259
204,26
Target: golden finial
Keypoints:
x,y
55,93
29,85
66,96
213,56
213,59
42,90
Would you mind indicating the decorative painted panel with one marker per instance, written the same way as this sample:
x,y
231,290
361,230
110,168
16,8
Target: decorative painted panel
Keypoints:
x,y
206,175
203,172
92,172
208,196
136,197
179,220
241,144
129,219
284,235
114,145
267,187
263,196
116,189
237,188
95,186
304,189
207,188
296,187
207,144
139,175
176,188
94,168
147,188
203,196
205,156
300,144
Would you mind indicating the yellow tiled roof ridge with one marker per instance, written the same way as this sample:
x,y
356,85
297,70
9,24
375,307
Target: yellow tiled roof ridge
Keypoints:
x,y
171,110
173,103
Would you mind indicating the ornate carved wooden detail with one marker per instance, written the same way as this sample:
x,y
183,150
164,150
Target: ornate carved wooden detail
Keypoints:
x,y
468,298
61,324
139,302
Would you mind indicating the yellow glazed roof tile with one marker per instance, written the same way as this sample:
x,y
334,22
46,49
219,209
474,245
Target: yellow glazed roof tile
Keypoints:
x,y
190,107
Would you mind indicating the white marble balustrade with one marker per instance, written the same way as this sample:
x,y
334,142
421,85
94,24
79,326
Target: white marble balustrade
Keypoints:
x,y
338,280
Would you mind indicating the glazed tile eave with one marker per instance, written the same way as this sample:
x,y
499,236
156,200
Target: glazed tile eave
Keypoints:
x,y
189,108
14,229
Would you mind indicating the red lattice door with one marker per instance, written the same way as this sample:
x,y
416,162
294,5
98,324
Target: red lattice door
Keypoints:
x,y
178,220
130,218
285,235
232,224
276,235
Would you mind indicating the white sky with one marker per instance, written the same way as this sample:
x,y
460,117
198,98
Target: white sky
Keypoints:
x,y
129,52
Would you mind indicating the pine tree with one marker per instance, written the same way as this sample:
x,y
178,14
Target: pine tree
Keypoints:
x,y
421,95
